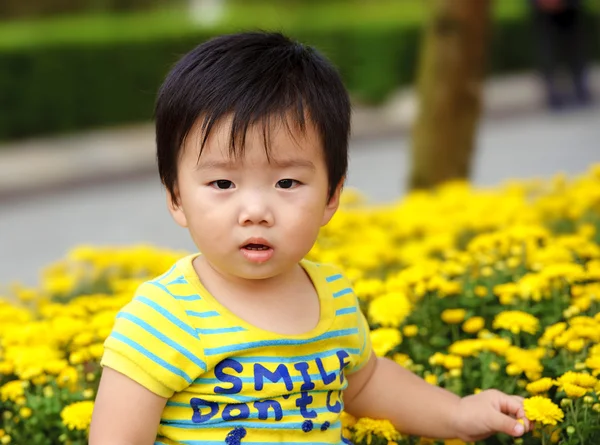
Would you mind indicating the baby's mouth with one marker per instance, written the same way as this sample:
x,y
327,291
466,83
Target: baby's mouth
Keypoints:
x,y
256,247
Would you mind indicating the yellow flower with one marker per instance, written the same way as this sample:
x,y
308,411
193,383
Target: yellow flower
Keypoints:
x,y
543,410
481,291
367,429
593,362
48,392
68,378
540,386
551,332
389,310
586,380
437,359
410,330
576,378
348,420
576,345
573,391
12,390
473,325
368,288
453,362
25,412
431,379
6,368
384,340
453,316
78,415
55,366
516,322
403,360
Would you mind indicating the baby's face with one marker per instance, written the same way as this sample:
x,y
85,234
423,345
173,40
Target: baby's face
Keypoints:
x,y
254,217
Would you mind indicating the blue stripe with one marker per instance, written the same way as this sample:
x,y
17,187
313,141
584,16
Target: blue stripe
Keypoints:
x,y
346,310
252,415
160,336
249,425
233,397
249,399
294,359
177,297
169,316
221,442
178,280
282,342
202,314
207,331
333,278
159,361
188,297
344,291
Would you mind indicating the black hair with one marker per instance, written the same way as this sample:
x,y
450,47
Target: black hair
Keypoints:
x,y
254,77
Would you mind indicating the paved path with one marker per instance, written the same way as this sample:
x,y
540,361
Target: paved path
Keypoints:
x,y
38,229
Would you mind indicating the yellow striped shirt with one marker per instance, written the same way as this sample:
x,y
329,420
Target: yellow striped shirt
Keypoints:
x,y
229,382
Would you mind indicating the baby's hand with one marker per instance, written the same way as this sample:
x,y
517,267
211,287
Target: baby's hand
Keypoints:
x,y
489,412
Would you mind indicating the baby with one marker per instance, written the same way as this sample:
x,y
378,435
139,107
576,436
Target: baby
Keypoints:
x,y
247,342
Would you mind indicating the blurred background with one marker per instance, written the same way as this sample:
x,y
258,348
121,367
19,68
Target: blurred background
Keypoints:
x,y
483,90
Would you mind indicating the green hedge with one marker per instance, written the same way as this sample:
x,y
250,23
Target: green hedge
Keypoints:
x,y
56,84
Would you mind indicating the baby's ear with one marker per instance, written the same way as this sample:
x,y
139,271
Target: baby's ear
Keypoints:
x,y
175,208
333,203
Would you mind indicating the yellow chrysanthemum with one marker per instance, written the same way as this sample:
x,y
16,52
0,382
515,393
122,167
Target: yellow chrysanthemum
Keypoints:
x,y
543,410
453,316
473,325
78,415
516,322
540,386
389,310
12,390
348,420
574,391
410,330
576,378
367,429
384,340
551,332
453,362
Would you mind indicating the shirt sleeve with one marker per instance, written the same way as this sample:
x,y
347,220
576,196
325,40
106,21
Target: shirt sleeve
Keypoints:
x,y
346,301
154,343
364,343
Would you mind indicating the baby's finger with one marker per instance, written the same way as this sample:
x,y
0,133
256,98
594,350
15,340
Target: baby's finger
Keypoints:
x,y
520,414
512,405
507,424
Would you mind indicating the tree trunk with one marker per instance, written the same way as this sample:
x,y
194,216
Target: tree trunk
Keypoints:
x,y
451,75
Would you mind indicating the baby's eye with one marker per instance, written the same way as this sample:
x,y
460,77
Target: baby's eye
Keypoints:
x,y
222,184
287,183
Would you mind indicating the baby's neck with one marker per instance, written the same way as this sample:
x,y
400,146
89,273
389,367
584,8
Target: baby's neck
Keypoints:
x,y
214,280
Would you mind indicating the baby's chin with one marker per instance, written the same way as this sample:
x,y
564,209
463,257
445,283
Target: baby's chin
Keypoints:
x,y
262,272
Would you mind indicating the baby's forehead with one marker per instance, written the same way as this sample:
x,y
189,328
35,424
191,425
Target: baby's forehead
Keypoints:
x,y
274,142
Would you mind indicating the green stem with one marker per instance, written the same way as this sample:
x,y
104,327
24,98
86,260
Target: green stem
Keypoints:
x,y
574,408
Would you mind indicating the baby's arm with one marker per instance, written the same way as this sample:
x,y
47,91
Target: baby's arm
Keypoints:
x,y
125,413
382,389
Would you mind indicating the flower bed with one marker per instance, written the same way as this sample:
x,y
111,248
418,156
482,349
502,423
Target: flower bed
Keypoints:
x,y
469,288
